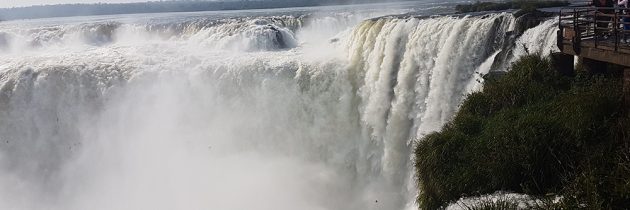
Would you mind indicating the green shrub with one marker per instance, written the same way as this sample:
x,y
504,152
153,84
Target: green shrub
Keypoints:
x,y
531,131
502,203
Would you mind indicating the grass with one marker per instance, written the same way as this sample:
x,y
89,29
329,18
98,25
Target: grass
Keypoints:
x,y
515,4
536,132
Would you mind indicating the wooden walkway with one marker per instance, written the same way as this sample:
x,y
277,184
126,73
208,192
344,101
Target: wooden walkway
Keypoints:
x,y
595,34
602,51
582,32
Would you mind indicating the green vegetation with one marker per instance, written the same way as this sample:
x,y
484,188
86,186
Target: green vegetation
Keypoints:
x,y
526,5
532,131
489,204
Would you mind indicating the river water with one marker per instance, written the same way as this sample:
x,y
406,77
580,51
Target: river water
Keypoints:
x,y
301,108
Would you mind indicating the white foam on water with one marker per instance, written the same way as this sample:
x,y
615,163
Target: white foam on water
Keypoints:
x,y
235,113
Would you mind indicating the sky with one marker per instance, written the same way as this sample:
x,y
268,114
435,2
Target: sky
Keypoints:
x,y
21,3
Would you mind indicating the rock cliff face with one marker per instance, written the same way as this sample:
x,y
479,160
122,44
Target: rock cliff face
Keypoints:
x,y
524,20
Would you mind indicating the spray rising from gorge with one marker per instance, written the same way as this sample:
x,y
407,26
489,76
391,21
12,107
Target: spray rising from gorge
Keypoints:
x,y
259,112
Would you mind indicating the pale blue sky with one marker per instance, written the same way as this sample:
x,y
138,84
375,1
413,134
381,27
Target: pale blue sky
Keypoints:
x,y
20,3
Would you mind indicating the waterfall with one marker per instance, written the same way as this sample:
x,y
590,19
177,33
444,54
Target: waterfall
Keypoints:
x,y
541,39
232,113
411,77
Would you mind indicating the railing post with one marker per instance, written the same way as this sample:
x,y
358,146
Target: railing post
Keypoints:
x,y
560,35
622,25
576,27
560,19
588,25
577,37
615,27
595,27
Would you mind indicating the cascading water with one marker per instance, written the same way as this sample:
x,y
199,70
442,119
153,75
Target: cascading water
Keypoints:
x,y
244,113
541,39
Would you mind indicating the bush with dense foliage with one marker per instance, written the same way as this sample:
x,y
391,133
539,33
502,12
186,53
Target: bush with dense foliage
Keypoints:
x,y
532,131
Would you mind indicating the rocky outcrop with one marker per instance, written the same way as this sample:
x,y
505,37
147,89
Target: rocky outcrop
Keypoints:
x,y
524,20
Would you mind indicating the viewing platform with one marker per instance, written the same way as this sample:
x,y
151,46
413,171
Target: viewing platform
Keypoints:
x,y
596,35
588,32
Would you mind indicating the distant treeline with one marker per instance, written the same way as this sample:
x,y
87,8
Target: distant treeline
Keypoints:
x,y
66,10
518,4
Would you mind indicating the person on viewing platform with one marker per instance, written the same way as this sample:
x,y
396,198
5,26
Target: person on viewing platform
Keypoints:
x,y
625,20
602,18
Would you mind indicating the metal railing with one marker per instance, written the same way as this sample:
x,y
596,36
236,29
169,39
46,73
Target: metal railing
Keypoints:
x,y
603,26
